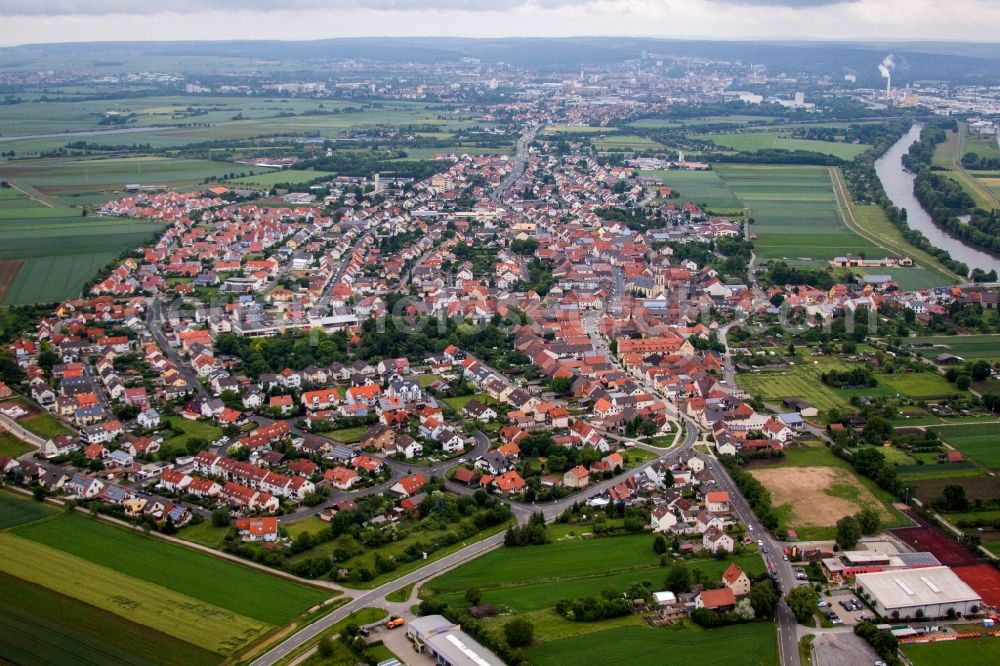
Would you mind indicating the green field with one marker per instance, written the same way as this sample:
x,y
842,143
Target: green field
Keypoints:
x,y
578,129
69,175
753,141
188,429
215,582
795,212
743,645
272,178
801,381
969,347
529,579
918,385
704,188
60,247
164,121
17,509
41,626
979,442
626,142
733,119
948,653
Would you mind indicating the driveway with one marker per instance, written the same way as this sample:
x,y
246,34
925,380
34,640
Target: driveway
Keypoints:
x,y
396,640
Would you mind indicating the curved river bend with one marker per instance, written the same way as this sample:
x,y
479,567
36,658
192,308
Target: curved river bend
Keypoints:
x,y
898,184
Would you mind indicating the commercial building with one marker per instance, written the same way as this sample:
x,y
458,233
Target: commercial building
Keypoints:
x,y
447,644
930,592
851,563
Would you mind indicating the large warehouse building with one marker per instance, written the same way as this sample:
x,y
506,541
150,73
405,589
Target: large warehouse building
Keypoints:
x,y
932,590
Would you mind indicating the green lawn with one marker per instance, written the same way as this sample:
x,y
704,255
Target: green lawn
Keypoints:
x,y
743,645
188,429
204,534
12,446
947,653
978,441
44,425
346,435
211,580
41,626
18,509
459,402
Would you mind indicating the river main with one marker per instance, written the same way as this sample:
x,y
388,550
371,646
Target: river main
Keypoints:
x,y
898,184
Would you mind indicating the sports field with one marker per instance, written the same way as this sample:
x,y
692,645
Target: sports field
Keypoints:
x,y
192,597
977,441
947,653
752,141
741,645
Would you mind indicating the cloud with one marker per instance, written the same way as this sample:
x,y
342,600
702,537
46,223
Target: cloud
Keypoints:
x,y
141,7
792,4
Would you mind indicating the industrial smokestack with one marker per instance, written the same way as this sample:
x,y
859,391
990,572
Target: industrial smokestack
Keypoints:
x,y
885,69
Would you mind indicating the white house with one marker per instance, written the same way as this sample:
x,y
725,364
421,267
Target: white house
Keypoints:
x,y
148,419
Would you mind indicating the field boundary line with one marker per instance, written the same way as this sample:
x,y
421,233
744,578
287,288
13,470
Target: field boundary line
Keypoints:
x,y
32,193
964,175
847,215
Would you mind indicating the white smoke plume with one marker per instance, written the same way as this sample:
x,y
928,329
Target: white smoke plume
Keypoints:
x,y
887,65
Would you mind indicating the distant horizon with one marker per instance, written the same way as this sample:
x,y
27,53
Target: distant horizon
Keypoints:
x,y
96,21
706,38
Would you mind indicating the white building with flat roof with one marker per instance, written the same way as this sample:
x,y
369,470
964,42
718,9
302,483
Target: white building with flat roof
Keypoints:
x,y
932,590
447,644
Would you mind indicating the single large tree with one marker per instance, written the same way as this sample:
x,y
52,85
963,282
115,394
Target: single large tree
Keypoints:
x,y
802,600
848,532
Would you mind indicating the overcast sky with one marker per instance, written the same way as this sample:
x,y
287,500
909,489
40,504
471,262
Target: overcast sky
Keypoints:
x,y
34,21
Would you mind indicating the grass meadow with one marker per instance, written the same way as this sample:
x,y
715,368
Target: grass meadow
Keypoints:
x,y
753,141
977,441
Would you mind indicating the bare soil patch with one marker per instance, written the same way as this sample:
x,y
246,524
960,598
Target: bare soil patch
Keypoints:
x,y
818,496
8,271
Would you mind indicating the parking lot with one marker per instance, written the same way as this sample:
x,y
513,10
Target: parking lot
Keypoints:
x,y
847,606
842,649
